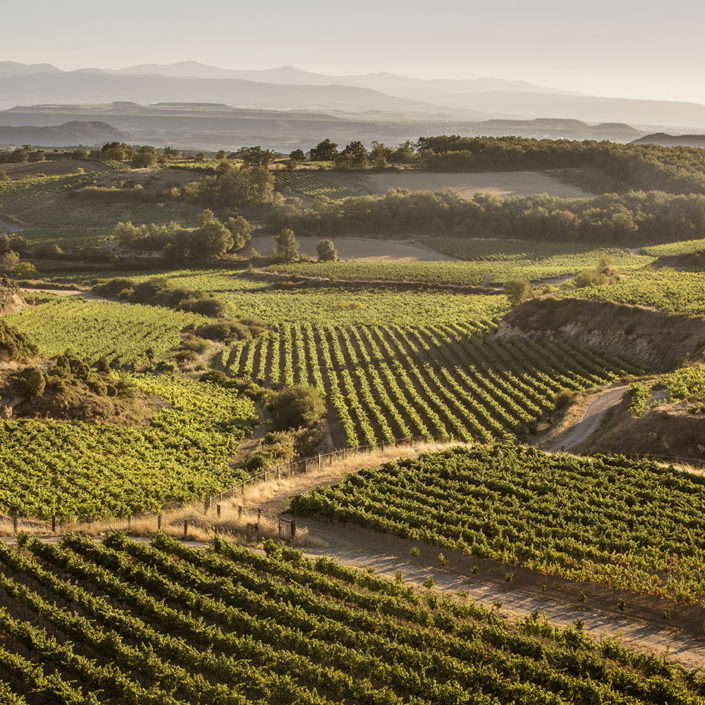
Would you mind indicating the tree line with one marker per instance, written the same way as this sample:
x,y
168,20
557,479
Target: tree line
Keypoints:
x,y
625,219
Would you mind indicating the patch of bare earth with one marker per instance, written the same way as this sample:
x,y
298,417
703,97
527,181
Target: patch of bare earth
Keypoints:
x,y
367,249
498,183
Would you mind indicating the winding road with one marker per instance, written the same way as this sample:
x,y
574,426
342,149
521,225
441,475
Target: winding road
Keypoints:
x,y
590,422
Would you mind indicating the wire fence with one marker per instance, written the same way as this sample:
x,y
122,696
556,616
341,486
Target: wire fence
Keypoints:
x,y
302,466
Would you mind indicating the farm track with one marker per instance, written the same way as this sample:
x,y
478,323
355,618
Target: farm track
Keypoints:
x,y
364,549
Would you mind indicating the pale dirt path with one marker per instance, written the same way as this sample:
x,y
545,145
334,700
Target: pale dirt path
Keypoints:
x,y
358,550
68,293
590,422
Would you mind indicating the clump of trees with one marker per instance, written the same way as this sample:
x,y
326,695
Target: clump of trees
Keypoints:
x,y
160,292
209,240
230,186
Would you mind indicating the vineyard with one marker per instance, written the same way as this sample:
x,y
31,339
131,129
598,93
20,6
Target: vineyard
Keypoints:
x,y
273,302
55,468
164,624
471,273
436,381
685,247
678,292
123,333
631,525
313,184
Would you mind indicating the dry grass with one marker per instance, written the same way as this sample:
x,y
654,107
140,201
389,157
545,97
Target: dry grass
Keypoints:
x,y
260,503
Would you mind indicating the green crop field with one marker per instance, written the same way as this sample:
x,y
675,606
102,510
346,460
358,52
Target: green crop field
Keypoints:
x,y
471,273
272,303
164,624
685,247
102,470
632,525
313,184
677,292
434,381
92,329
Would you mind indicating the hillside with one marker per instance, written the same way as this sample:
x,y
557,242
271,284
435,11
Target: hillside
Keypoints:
x,y
656,338
74,132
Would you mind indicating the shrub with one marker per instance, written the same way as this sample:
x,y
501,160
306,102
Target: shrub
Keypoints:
x,y
299,405
225,331
31,381
517,290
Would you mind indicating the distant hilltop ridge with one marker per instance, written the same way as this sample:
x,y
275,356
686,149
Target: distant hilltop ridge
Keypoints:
x,y
290,88
214,126
72,133
665,140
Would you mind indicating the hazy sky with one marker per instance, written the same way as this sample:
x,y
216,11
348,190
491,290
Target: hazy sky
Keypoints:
x,y
625,48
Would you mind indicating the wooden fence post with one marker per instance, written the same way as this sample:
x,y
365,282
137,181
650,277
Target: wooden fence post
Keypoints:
x,y
159,522
14,523
185,528
53,523
319,461
217,509
129,521
239,512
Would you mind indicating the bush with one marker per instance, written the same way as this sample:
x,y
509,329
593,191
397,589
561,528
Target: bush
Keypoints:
x,y
517,290
298,405
207,306
225,331
326,251
31,381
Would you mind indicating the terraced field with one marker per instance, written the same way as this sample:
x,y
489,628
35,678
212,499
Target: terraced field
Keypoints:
x,y
441,381
83,623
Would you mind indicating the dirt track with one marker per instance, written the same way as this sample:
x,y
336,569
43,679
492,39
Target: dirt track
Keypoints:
x,y
362,549
590,422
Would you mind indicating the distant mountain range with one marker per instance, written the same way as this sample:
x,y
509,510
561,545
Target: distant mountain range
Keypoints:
x,y
213,126
289,88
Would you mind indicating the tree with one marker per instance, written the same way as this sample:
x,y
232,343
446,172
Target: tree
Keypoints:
x,y
325,151
296,406
146,157
221,154
241,231
517,290
116,150
212,238
354,156
255,156
286,247
79,154
326,251
403,154
9,261
297,155
170,152
24,270
380,154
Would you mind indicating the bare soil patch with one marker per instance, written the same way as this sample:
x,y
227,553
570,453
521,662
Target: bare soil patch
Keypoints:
x,y
362,248
499,183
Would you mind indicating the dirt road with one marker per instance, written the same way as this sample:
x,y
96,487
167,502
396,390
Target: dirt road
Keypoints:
x,y
590,422
359,550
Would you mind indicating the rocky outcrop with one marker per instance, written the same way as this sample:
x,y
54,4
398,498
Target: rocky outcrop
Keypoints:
x,y
654,338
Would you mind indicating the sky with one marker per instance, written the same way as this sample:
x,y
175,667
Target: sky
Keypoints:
x,y
625,48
